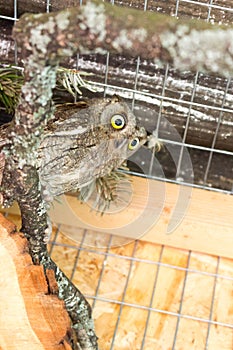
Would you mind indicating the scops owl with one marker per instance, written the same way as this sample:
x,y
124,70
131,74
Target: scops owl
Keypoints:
x,y
86,141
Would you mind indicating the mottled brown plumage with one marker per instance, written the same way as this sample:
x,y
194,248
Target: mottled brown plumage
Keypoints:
x,y
86,141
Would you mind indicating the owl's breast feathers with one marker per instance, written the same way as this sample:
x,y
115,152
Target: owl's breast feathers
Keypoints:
x,y
86,141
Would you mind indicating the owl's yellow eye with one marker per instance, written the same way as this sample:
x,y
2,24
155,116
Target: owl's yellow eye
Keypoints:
x,y
118,121
134,143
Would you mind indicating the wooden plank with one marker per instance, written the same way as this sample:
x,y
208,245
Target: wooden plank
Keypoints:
x,y
207,225
30,314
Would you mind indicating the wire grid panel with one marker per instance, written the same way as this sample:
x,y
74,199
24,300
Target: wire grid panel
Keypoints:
x,y
182,101
190,112
147,296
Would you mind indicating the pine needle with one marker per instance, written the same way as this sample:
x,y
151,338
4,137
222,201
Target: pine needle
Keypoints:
x,y
72,80
11,81
104,191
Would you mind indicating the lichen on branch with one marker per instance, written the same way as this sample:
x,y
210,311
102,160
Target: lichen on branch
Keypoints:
x,y
98,27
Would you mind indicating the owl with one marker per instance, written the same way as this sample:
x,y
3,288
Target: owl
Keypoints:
x,y
86,141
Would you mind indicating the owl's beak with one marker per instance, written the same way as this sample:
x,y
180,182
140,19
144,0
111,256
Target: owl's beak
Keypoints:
x,y
119,143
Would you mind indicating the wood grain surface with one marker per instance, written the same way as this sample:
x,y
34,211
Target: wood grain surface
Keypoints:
x,y
201,220
30,317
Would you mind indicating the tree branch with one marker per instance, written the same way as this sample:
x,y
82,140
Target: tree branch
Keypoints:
x,y
98,27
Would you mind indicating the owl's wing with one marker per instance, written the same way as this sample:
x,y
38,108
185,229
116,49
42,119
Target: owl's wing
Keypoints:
x,y
69,169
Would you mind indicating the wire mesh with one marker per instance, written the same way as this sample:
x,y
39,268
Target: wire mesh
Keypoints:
x,y
197,105
148,296
187,304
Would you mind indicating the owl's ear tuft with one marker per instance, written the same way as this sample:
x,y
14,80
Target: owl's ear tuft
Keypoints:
x,y
115,99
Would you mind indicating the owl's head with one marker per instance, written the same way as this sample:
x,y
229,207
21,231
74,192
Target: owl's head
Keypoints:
x,y
120,126
113,116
